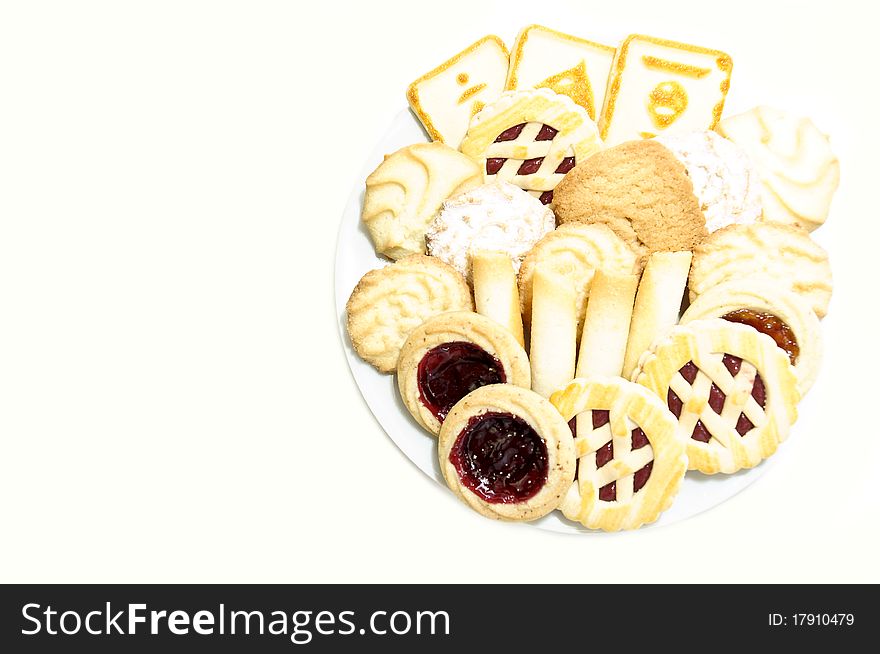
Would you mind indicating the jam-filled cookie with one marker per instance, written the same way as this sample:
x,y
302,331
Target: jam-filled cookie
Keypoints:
x,y
772,310
783,254
507,453
630,460
732,389
452,354
531,138
388,303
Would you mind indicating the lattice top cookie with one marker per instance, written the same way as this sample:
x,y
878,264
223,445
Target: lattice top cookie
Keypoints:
x,y
630,461
733,391
531,138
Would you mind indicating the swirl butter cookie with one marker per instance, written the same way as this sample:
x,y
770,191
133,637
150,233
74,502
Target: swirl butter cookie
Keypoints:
x,y
630,460
794,160
772,310
452,354
782,254
507,453
390,302
641,191
406,191
531,138
576,251
733,391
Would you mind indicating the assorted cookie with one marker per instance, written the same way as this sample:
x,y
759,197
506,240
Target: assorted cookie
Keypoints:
x,y
495,216
452,354
798,171
389,303
641,191
406,190
783,254
669,322
532,139
569,65
733,391
507,452
630,460
661,86
447,97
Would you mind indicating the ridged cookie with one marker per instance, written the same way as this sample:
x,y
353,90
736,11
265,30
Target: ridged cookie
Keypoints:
x,y
641,191
406,190
784,254
576,251
389,303
794,161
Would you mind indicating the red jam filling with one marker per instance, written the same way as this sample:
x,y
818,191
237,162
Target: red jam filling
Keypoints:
x,y
500,458
529,166
767,323
716,398
450,371
608,492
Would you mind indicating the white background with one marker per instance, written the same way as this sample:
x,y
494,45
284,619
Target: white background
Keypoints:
x,y
175,404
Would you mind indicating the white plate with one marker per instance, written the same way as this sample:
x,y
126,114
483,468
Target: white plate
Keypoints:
x,y
355,256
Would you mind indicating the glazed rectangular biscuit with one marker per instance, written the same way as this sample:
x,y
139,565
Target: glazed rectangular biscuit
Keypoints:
x,y
446,98
545,58
658,85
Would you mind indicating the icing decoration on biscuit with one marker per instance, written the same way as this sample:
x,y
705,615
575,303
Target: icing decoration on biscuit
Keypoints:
x,y
658,85
532,139
798,171
446,97
566,64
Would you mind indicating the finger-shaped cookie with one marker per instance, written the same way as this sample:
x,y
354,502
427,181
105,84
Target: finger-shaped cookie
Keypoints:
x,y
495,291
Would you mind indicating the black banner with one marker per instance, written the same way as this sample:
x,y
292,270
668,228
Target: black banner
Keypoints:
x,y
390,618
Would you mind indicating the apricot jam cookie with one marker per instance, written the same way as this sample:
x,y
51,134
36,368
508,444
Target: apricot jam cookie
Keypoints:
x,y
641,191
531,138
733,391
772,310
630,460
452,354
783,254
390,302
406,190
507,453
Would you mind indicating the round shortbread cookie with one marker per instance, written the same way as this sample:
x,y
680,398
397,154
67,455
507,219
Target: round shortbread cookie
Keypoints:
x,y
576,251
794,160
783,254
641,191
405,192
389,303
